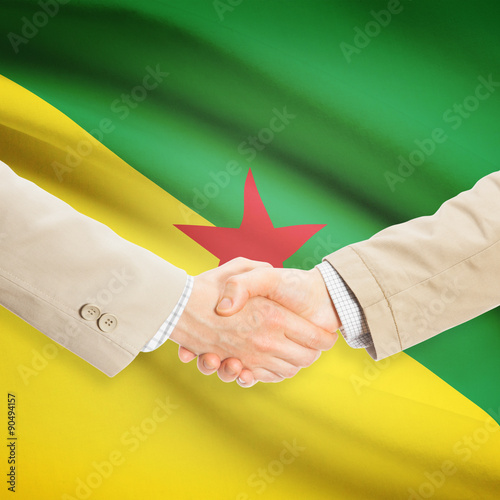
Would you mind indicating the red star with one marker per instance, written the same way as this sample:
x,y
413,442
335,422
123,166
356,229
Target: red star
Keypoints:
x,y
256,238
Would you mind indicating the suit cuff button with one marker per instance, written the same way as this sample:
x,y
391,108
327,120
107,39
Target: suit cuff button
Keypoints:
x,y
107,323
90,312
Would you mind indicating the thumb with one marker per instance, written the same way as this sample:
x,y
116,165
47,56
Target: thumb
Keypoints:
x,y
238,289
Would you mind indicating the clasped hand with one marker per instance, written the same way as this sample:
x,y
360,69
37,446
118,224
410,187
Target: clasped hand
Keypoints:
x,y
251,322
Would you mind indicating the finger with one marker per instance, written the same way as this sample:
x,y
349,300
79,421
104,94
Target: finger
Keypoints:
x,y
281,368
230,369
246,379
275,370
266,376
186,356
317,357
239,288
208,363
278,334
307,334
285,335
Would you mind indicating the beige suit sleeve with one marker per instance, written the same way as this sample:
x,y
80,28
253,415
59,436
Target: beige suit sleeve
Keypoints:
x,y
54,260
417,279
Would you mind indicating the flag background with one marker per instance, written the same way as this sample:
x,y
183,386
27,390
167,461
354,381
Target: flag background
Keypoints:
x,y
348,108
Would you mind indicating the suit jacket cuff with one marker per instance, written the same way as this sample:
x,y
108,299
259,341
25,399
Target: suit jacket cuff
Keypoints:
x,y
379,316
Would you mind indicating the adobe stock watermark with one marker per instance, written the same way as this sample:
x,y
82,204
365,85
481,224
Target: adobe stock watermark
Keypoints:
x,y
372,29
256,322
455,116
426,317
372,370
130,442
463,450
116,284
423,320
39,361
249,149
31,27
324,246
260,480
121,108
223,7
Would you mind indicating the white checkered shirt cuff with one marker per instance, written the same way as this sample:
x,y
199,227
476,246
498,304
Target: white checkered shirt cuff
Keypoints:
x,y
168,327
354,326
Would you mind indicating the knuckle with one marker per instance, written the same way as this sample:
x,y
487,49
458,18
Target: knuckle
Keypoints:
x,y
263,343
244,330
314,340
241,260
274,317
232,281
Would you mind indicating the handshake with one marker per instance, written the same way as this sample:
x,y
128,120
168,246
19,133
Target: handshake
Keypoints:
x,y
251,322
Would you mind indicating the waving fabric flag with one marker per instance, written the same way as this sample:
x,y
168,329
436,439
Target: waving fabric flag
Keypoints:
x,y
279,130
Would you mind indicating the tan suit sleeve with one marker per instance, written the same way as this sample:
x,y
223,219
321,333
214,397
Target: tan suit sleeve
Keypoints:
x,y
54,260
417,279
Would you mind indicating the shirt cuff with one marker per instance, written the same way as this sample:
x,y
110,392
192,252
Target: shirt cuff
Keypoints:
x,y
354,326
168,327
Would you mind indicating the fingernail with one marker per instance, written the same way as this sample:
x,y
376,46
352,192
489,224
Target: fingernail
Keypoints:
x,y
242,382
207,365
224,304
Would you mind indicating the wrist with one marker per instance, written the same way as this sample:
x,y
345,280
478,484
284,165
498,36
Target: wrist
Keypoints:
x,y
324,302
193,330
